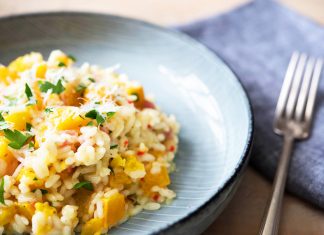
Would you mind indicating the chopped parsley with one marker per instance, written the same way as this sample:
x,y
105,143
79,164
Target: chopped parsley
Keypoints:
x,y
113,146
3,123
48,110
110,114
28,126
16,138
29,94
2,192
57,89
31,145
80,88
94,114
44,191
72,58
61,64
97,102
84,184
91,80
90,123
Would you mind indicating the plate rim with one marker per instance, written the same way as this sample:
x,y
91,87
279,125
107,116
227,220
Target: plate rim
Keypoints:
x,y
214,55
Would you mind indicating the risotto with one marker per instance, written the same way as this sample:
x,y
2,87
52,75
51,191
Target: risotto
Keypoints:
x,y
81,148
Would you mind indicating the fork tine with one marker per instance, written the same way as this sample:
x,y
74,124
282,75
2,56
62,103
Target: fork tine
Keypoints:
x,y
313,90
292,99
299,113
282,100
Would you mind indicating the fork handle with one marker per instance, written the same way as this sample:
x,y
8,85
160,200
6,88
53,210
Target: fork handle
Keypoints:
x,y
272,216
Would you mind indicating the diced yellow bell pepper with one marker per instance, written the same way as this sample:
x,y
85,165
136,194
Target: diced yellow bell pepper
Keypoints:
x,y
26,209
114,209
4,74
7,214
92,227
8,163
138,91
40,70
134,168
118,161
23,63
19,118
67,118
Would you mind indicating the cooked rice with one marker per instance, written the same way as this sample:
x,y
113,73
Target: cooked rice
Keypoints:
x,y
96,150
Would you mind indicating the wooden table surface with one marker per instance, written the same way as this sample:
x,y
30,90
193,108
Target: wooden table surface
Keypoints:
x,y
243,214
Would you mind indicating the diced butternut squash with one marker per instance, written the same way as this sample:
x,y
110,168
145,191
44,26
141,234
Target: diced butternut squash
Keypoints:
x,y
23,63
119,179
48,211
45,208
92,227
134,168
8,163
114,209
4,75
40,70
26,209
160,179
19,118
67,118
36,183
70,96
7,214
58,59
138,91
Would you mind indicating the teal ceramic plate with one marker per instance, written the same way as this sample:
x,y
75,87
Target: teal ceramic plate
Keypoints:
x,y
186,79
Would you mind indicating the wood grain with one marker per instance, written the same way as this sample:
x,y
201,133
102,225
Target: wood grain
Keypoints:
x,y
244,213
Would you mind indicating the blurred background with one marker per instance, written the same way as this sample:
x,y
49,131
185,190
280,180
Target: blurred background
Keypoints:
x,y
164,12
244,213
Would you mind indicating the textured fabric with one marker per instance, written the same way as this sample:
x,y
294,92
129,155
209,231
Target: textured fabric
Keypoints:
x,y
257,41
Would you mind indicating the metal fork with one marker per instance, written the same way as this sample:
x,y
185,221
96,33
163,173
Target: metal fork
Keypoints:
x,y
293,118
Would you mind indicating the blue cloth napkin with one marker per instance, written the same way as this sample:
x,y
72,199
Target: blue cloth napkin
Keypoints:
x,y
257,40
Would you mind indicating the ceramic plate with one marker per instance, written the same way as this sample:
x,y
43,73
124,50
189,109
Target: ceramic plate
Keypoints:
x,y
186,79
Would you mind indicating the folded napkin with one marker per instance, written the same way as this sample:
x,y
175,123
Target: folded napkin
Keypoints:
x,y
257,40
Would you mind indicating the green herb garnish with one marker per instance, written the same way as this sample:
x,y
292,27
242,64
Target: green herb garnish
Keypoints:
x,y
29,94
110,114
57,89
72,58
31,145
113,146
80,88
48,110
94,114
2,192
61,64
16,138
3,123
28,126
91,80
90,123
44,191
84,184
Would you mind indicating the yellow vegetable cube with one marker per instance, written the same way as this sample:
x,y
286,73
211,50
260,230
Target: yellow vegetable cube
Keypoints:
x,y
19,118
119,179
7,214
45,208
114,209
118,161
92,227
68,118
4,74
26,209
40,70
8,163
160,179
134,168
23,63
